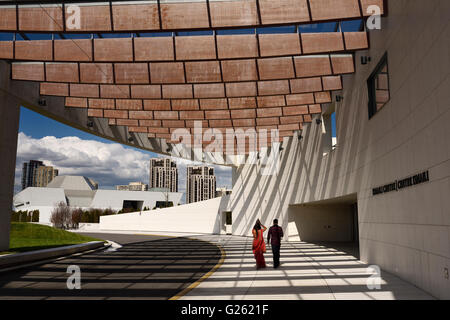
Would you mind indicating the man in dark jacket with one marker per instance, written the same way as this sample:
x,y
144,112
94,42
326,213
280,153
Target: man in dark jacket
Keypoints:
x,y
275,234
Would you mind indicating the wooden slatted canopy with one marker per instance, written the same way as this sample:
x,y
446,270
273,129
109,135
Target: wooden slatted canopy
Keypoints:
x,y
175,15
157,85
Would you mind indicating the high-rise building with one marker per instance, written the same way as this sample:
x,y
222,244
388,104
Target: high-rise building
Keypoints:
x,y
28,172
43,175
200,184
36,174
163,174
133,186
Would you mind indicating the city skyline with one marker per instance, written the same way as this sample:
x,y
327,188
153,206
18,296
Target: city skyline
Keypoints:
x,y
75,152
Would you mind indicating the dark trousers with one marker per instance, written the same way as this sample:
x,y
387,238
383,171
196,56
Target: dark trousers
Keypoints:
x,y
276,255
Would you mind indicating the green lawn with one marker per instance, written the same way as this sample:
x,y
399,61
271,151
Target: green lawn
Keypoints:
x,y
28,236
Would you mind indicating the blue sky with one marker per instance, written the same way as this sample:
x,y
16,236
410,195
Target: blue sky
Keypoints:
x,y
38,126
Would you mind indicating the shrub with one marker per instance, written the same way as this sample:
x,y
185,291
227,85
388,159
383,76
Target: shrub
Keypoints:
x,y
108,212
35,216
23,216
15,216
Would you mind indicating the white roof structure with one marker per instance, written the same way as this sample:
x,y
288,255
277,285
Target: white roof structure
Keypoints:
x,y
73,183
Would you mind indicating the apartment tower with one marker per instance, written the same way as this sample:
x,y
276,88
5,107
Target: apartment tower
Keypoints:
x,y
200,184
163,174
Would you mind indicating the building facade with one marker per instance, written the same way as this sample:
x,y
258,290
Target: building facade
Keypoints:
x,y
163,174
43,175
133,186
36,174
200,184
28,172
223,191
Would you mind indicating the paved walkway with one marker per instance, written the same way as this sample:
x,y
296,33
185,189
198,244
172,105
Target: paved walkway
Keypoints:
x,y
308,271
145,267
151,267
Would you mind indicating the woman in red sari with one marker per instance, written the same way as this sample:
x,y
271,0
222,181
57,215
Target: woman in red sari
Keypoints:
x,y
259,246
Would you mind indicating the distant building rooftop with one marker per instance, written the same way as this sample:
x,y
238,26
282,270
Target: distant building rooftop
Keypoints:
x,y
73,183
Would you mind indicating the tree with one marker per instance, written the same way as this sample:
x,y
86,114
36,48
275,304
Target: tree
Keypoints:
x,y
61,216
76,217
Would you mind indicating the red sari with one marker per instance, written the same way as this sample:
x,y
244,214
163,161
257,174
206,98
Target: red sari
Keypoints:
x,y
259,248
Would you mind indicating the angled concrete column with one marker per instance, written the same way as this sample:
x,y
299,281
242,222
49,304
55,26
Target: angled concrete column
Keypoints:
x,y
9,127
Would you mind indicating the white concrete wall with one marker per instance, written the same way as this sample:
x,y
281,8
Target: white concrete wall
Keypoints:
x,y
114,199
320,223
405,232
198,217
42,199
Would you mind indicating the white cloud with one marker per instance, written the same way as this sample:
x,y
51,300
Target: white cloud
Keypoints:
x,y
110,164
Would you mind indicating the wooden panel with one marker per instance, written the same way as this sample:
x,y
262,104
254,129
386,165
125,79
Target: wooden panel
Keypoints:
x,y
73,50
131,73
233,13
115,91
34,50
8,18
203,71
170,72
239,70
356,40
276,68
195,48
241,89
268,88
135,16
84,90
209,90
146,91
300,99
283,11
28,71
42,18
184,15
177,91
54,89
343,64
6,50
334,9
62,72
113,50
279,44
306,85
96,72
153,49
322,42
92,18
312,66
237,46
